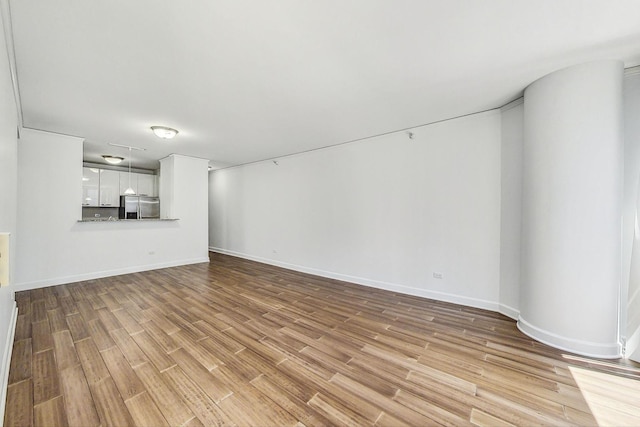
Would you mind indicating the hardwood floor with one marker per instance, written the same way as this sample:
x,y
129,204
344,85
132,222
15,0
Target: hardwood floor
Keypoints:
x,y
235,342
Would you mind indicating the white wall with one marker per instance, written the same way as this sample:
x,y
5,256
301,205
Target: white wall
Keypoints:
x,y
630,295
186,190
572,205
372,213
386,212
511,200
166,188
8,210
54,248
511,207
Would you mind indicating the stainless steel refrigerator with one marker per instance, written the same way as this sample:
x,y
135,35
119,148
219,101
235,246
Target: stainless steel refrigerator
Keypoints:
x,y
139,207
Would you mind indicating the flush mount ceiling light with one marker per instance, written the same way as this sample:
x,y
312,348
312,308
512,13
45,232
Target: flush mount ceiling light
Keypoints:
x,y
114,160
164,132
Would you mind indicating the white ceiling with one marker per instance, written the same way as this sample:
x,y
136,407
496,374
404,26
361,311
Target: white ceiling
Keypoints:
x,y
248,80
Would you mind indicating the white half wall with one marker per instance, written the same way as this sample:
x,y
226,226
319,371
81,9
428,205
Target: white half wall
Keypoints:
x,y
54,248
572,207
387,212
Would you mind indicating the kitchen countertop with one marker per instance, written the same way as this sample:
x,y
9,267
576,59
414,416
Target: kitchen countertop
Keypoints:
x,y
125,220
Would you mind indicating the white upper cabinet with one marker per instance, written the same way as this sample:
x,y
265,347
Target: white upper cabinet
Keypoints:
x,y
146,185
103,187
90,186
143,184
109,188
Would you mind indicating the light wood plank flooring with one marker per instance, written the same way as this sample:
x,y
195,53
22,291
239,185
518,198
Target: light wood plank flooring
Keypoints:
x,y
235,342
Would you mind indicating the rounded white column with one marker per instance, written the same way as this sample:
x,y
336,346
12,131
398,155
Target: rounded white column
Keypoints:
x,y
572,195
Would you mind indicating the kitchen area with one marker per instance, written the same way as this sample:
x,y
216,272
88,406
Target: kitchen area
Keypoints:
x,y
110,193
59,246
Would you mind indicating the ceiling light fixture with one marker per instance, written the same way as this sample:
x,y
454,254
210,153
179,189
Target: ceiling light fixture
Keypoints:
x,y
114,160
164,132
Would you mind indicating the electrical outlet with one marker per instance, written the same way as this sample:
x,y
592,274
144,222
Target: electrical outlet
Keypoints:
x,y
437,275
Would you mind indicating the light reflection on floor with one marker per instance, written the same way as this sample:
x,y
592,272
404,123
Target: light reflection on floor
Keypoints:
x,y
614,400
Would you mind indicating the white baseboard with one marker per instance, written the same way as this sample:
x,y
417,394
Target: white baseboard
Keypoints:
x,y
106,273
509,311
6,361
440,296
584,348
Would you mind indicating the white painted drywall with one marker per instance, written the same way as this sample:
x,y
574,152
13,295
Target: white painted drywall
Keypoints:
x,y
572,190
386,212
166,188
511,207
630,288
54,248
8,153
631,297
8,210
186,179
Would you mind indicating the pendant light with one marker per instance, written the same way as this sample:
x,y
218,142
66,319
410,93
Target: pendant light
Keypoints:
x,y
129,191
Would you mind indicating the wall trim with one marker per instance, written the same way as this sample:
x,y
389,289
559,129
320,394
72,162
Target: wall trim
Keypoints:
x,y
5,16
106,273
583,348
632,71
509,311
6,361
363,139
393,287
512,104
